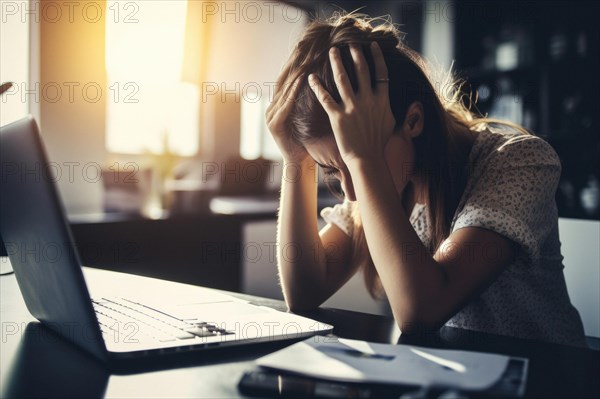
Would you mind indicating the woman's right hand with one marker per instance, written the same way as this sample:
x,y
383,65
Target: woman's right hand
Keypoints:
x,y
276,116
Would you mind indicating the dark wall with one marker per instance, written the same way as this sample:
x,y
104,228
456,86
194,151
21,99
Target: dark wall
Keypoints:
x,y
536,63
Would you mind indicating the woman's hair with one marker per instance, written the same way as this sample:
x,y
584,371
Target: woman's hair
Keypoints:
x,y
437,155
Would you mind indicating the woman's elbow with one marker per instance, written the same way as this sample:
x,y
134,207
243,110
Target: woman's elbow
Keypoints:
x,y
301,295
300,301
299,306
420,326
415,319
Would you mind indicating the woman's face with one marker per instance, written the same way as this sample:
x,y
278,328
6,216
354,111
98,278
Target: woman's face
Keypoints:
x,y
399,158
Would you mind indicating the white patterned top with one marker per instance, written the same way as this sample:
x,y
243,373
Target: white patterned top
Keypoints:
x,y
510,190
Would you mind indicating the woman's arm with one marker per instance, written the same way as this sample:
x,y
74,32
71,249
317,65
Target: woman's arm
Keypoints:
x,y
312,265
424,290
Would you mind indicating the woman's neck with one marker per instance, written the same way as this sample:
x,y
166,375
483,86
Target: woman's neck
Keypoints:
x,y
409,199
459,149
463,140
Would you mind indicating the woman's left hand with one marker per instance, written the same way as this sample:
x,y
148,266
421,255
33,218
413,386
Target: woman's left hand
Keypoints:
x,y
363,122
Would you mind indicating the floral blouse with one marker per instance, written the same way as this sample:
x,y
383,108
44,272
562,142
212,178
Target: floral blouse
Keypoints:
x,y
510,190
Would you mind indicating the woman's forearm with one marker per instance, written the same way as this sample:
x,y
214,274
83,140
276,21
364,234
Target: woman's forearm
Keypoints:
x,y
408,272
301,258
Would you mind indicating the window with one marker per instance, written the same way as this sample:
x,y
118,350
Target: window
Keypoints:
x,y
280,25
149,108
14,67
256,141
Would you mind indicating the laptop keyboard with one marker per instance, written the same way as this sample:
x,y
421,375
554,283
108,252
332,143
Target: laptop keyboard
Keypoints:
x,y
125,319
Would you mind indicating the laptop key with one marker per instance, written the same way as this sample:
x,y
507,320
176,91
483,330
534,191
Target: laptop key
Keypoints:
x,y
154,313
201,332
147,324
212,327
184,335
129,324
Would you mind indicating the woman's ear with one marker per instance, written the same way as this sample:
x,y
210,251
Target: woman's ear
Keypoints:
x,y
414,120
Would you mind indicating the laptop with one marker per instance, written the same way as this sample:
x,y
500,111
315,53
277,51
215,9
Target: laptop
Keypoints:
x,y
49,274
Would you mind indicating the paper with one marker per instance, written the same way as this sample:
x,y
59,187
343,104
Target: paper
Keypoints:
x,y
360,361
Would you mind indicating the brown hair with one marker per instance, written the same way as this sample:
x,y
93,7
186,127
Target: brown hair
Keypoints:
x,y
436,148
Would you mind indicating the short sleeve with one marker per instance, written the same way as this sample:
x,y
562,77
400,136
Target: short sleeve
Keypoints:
x,y
514,195
341,216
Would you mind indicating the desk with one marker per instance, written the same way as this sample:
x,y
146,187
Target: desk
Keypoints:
x,y
35,362
203,248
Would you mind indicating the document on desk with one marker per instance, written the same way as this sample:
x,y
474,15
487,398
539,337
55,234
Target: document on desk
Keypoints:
x,y
365,362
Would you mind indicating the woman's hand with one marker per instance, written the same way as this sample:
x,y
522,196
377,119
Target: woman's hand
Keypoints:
x,y
276,117
363,122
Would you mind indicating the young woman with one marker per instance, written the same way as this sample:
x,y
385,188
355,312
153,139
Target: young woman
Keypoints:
x,y
450,216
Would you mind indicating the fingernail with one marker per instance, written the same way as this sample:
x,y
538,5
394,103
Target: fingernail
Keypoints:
x,y
333,51
374,45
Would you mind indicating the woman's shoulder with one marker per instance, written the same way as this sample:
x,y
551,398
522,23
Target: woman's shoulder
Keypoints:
x,y
341,215
511,189
500,146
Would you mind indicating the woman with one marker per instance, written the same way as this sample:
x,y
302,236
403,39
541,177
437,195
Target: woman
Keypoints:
x,y
450,216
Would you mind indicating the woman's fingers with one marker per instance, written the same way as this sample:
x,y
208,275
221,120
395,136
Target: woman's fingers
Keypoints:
x,y
340,75
277,113
328,102
362,69
381,71
290,97
342,80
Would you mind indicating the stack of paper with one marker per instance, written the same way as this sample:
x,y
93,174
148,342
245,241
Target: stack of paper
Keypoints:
x,y
359,361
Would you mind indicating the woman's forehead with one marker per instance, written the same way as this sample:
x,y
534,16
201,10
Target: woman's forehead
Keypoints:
x,y
325,152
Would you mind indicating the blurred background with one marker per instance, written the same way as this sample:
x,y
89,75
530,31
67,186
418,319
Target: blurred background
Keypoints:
x,y
152,113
